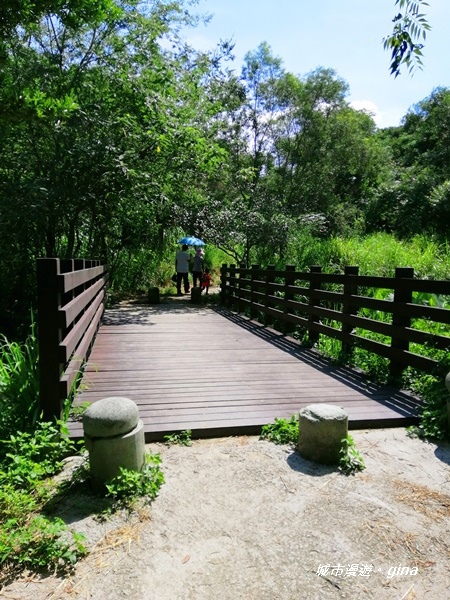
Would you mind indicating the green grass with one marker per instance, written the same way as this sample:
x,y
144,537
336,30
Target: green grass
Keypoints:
x,y
376,254
19,384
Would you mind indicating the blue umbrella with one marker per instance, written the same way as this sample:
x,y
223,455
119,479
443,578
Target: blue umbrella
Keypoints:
x,y
190,240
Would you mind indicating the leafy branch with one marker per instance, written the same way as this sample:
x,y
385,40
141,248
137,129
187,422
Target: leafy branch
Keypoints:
x,y
410,27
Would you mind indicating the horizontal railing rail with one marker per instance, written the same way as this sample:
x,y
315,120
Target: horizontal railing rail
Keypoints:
x,y
340,306
71,299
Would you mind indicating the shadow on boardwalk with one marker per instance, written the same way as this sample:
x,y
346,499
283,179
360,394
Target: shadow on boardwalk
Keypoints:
x,y
403,402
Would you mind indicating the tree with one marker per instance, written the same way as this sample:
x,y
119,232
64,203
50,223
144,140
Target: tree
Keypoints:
x,y
297,155
415,200
242,215
104,139
27,13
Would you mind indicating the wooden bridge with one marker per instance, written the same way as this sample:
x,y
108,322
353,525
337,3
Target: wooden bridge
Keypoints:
x,y
217,373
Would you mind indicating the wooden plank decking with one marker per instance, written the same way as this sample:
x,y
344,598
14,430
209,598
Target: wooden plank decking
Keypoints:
x,y
218,373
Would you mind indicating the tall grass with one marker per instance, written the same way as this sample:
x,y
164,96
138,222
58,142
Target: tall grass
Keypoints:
x,y
19,384
377,254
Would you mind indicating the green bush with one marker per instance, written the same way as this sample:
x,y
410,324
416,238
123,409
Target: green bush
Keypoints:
x,y
19,384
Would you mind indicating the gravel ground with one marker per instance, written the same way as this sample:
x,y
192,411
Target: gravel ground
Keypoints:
x,y
241,518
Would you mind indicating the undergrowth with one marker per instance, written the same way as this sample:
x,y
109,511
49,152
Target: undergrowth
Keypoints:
x,y
183,438
29,538
350,459
129,485
281,431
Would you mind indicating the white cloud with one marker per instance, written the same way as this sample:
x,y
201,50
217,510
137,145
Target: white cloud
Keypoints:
x,y
369,107
382,118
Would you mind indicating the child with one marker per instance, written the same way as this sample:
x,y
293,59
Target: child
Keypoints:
x,y
206,280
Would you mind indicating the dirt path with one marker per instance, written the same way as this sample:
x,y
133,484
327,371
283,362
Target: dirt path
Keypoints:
x,y
241,518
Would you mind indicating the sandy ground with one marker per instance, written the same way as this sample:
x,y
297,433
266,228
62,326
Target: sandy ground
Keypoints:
x,y
242,518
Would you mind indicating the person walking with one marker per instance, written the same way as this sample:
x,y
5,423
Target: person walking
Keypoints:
x,y
182,259
197,270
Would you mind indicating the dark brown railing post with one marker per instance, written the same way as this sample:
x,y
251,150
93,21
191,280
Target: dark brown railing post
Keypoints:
x,y
223,284
239,294
232,293
314,284
66,266
402,295
49,337
350,289
289,280
268,319
253,311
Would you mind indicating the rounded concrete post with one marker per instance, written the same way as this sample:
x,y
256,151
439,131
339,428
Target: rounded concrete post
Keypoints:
x,y
114,437
153,295
322,427
196,295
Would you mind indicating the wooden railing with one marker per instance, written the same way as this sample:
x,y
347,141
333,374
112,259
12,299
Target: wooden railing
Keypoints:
x,y
340,307
71,297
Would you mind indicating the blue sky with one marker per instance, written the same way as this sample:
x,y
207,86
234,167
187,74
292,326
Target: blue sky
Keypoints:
x,y
345,35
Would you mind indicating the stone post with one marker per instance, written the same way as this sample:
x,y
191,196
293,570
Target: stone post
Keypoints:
x,y
114,437
153,295
322,427
196,295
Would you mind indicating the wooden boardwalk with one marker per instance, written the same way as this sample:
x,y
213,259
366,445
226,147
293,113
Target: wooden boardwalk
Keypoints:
x,y
218,373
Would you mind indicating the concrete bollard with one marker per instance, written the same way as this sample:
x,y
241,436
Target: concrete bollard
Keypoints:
x,y
114,437
322,427
196,295
153,295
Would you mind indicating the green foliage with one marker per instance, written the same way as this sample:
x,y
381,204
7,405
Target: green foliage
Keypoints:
x,y
211,298
41,450
76,413
182,439
282,431
19,384
129,485
38,543
376,367
109,132
28,538
350,459
434,395
26,13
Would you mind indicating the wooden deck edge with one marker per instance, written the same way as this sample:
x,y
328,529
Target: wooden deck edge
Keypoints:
x,y
252,430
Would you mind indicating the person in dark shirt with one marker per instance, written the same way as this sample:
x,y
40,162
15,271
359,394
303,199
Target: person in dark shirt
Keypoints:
x,y
182,259
197,270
